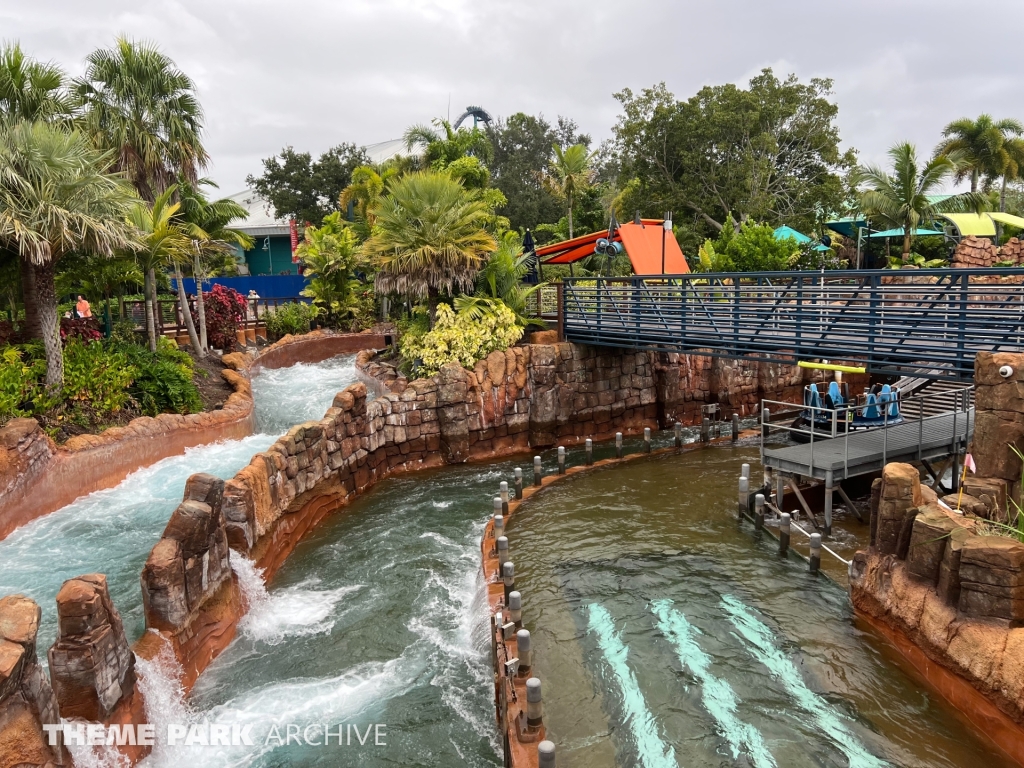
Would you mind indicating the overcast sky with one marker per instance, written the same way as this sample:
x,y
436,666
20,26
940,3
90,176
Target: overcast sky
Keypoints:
x,y
314,73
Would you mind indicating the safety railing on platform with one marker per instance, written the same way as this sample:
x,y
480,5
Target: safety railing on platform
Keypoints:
x,y
169,321
916,322
841,422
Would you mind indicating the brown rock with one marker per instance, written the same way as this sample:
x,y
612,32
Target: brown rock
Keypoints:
x,y
899,493
19,622
992,578
931,531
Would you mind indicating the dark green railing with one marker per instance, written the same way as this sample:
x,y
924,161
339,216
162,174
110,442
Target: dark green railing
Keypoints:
x,y
927,323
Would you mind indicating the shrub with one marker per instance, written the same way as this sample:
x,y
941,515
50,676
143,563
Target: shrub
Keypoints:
x,y
755,249
457,338
82,328
225,309
20,382
163,380
293,317
96,376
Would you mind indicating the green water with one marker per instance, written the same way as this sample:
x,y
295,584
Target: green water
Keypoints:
x,y
732,656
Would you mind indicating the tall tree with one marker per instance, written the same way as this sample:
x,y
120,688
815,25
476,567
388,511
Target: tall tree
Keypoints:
x,y
571,174
442,145
296,185
29,91
57,196
136,102
980,146
768,152
429,237
363,194
522,146
903,199
163,243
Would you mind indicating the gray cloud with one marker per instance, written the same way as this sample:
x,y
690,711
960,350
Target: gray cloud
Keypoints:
x,y
313,73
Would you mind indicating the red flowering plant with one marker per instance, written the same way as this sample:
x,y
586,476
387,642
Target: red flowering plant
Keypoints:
x,y
225,309
84,328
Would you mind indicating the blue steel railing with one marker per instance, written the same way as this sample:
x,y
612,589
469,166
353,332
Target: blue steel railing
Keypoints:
x,y
927,322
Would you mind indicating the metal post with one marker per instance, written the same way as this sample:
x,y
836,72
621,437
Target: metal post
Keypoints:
x,y
647,439
589,447
546,754
815,565
534,704
525,652
502,542
618,445
705,429
519,482
679,435
784,534
503,495
508,576
780,489
499,508
759,512
828,502
743,506
766,423
515,609
536,471
499,526
561,459
745,471
735,427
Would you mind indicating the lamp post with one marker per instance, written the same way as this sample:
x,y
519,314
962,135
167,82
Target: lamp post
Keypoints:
x,y
667,224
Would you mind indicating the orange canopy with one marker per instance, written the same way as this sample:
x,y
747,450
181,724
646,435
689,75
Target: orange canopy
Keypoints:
x,y
642,243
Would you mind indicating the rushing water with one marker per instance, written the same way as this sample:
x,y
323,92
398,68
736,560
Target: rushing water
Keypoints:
x,y
112,531
666,634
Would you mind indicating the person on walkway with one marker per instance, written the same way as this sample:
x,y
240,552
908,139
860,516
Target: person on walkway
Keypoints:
x,y
252,300
82,307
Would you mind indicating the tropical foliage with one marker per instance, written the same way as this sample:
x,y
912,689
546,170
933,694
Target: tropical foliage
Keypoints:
x,y
293,317
457,337
329,255
499,286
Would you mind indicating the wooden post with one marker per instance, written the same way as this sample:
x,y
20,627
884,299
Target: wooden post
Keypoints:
x,y
519,482
503,497
784,534
515,609
679,435
589,447
618,445
525,652
537,476
561,459
743,506
815,553
735,427
499,526
508,576
759,512
647,439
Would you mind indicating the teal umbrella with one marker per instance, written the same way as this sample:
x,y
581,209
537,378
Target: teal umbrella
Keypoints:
x,y
783,232
899,233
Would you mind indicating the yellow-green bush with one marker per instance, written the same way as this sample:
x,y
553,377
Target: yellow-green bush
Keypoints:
x,y
458,338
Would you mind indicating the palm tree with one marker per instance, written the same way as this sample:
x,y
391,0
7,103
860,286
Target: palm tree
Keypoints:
x,y
429,237
443,145
30,90
980,146
364,192
163,243
571,174
904,198
206,222
500,281
136,102
57,196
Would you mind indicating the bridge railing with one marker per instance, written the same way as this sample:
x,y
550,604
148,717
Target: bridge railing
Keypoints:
x,y
895,321
832,423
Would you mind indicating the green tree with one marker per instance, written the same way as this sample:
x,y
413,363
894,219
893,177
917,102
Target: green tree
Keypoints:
x,y
522,147
207,224
754,248
163,243
329,255
500,282
429,237
769,152
58,196
980,146
442,145
571,174
363,194
903,199
136,102
296,185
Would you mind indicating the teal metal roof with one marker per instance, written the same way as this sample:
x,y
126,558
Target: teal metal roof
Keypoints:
x,y
899,232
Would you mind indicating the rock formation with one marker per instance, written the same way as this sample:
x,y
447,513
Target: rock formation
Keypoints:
x,y
27,701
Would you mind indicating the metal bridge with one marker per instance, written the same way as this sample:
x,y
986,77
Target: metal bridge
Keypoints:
x,y
928,323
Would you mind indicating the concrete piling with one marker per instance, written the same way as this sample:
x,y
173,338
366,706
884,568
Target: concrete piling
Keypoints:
x,y
745,471
502,551
519,482
784,534
561,459
546,754
508,576
679,435
534,703
744,497
499,508
765,422
618,445
525,652
499,526
829,488
515,609
735,427
815,552
705,429
536,471
647,439
589,447
759,512
780,489
503,493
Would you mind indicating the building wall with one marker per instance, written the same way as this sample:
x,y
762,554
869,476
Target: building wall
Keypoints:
x,y
279,258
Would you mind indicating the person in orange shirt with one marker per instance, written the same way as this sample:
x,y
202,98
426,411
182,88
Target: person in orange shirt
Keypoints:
x,y
82,307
